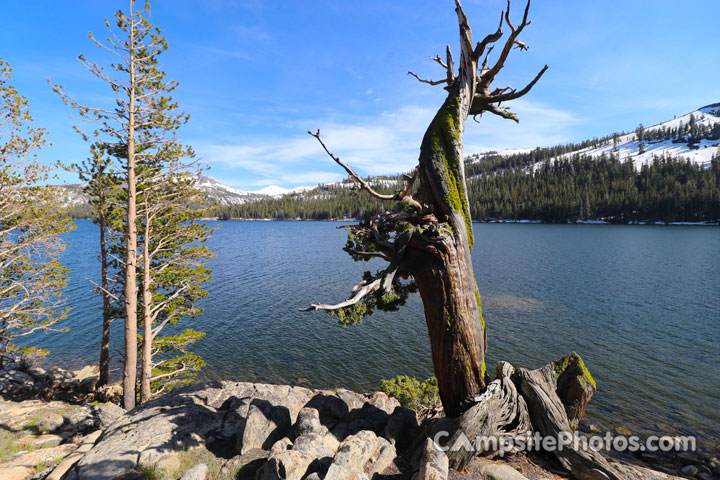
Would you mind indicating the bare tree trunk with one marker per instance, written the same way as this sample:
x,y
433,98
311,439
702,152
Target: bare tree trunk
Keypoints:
x,y
130,367
146,367
445,277
105,286
457,333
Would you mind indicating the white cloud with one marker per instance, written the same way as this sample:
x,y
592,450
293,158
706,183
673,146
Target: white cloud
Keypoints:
x,y
540,126
385,144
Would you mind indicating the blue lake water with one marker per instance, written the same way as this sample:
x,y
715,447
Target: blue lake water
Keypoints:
x,y
641,304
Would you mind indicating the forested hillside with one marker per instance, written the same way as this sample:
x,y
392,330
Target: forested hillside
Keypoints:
x,y
664,173
519,187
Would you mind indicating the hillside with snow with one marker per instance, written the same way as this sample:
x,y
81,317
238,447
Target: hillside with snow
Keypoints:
x,y
72,195
694,136
688,136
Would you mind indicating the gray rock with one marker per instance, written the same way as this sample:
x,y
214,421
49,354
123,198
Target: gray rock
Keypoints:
x,y
38,373
433,463
86,372
331,408
636,471
499,471
320,447
281,445
292,398
287,465
51,422
314,476
372,418
18,377
265,425
384,457
87,385
361,455
198,472
144,435
382,401
5,385
690,470
704,476
341,472
57,377
355,451
352,400
243,466
93,417
340,430
308,421
706,457
188,417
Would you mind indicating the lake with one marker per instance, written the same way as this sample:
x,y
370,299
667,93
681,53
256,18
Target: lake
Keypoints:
x,y
641,304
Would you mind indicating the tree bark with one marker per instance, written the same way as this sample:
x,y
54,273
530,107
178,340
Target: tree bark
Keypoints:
x,y
444,273
454,321
105,286
146,368
130,367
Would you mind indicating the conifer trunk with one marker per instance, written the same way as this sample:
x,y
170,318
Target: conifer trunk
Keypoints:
x,y
105,286
146,367
443,270
131,293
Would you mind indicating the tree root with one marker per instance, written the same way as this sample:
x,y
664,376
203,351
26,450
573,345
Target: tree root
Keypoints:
x,y
519,402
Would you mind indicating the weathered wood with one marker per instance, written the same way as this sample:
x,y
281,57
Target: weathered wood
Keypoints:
x,y
500,411
548,412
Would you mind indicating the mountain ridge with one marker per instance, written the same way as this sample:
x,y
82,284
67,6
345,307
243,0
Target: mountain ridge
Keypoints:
x,y
694,136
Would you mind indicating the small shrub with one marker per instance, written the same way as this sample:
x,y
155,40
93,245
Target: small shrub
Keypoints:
x,y
411,393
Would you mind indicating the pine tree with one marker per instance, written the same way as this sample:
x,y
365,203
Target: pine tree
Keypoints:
x,y
143,121
31,223
173,265
103,189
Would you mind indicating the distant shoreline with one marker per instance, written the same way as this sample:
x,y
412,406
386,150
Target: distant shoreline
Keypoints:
x,y
579,222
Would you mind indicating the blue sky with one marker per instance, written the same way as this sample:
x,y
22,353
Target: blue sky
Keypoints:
x,y
256,75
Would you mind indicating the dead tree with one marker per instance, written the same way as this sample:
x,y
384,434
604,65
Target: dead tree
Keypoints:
x,y
429,238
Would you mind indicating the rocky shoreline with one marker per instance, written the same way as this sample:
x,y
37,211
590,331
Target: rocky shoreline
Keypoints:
x,y
56,426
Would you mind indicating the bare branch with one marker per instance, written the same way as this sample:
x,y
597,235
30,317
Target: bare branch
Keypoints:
x,y
450,65
360,291
363,184
439,60
487,77
483,101
429,82
491,38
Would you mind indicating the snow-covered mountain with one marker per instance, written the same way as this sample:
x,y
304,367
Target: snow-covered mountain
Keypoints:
x,y
72,195
276,192
224,195
698,150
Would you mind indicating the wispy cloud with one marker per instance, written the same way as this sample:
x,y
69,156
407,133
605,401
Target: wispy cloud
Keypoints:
x,y
385,144
540,125
223,52
251,31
